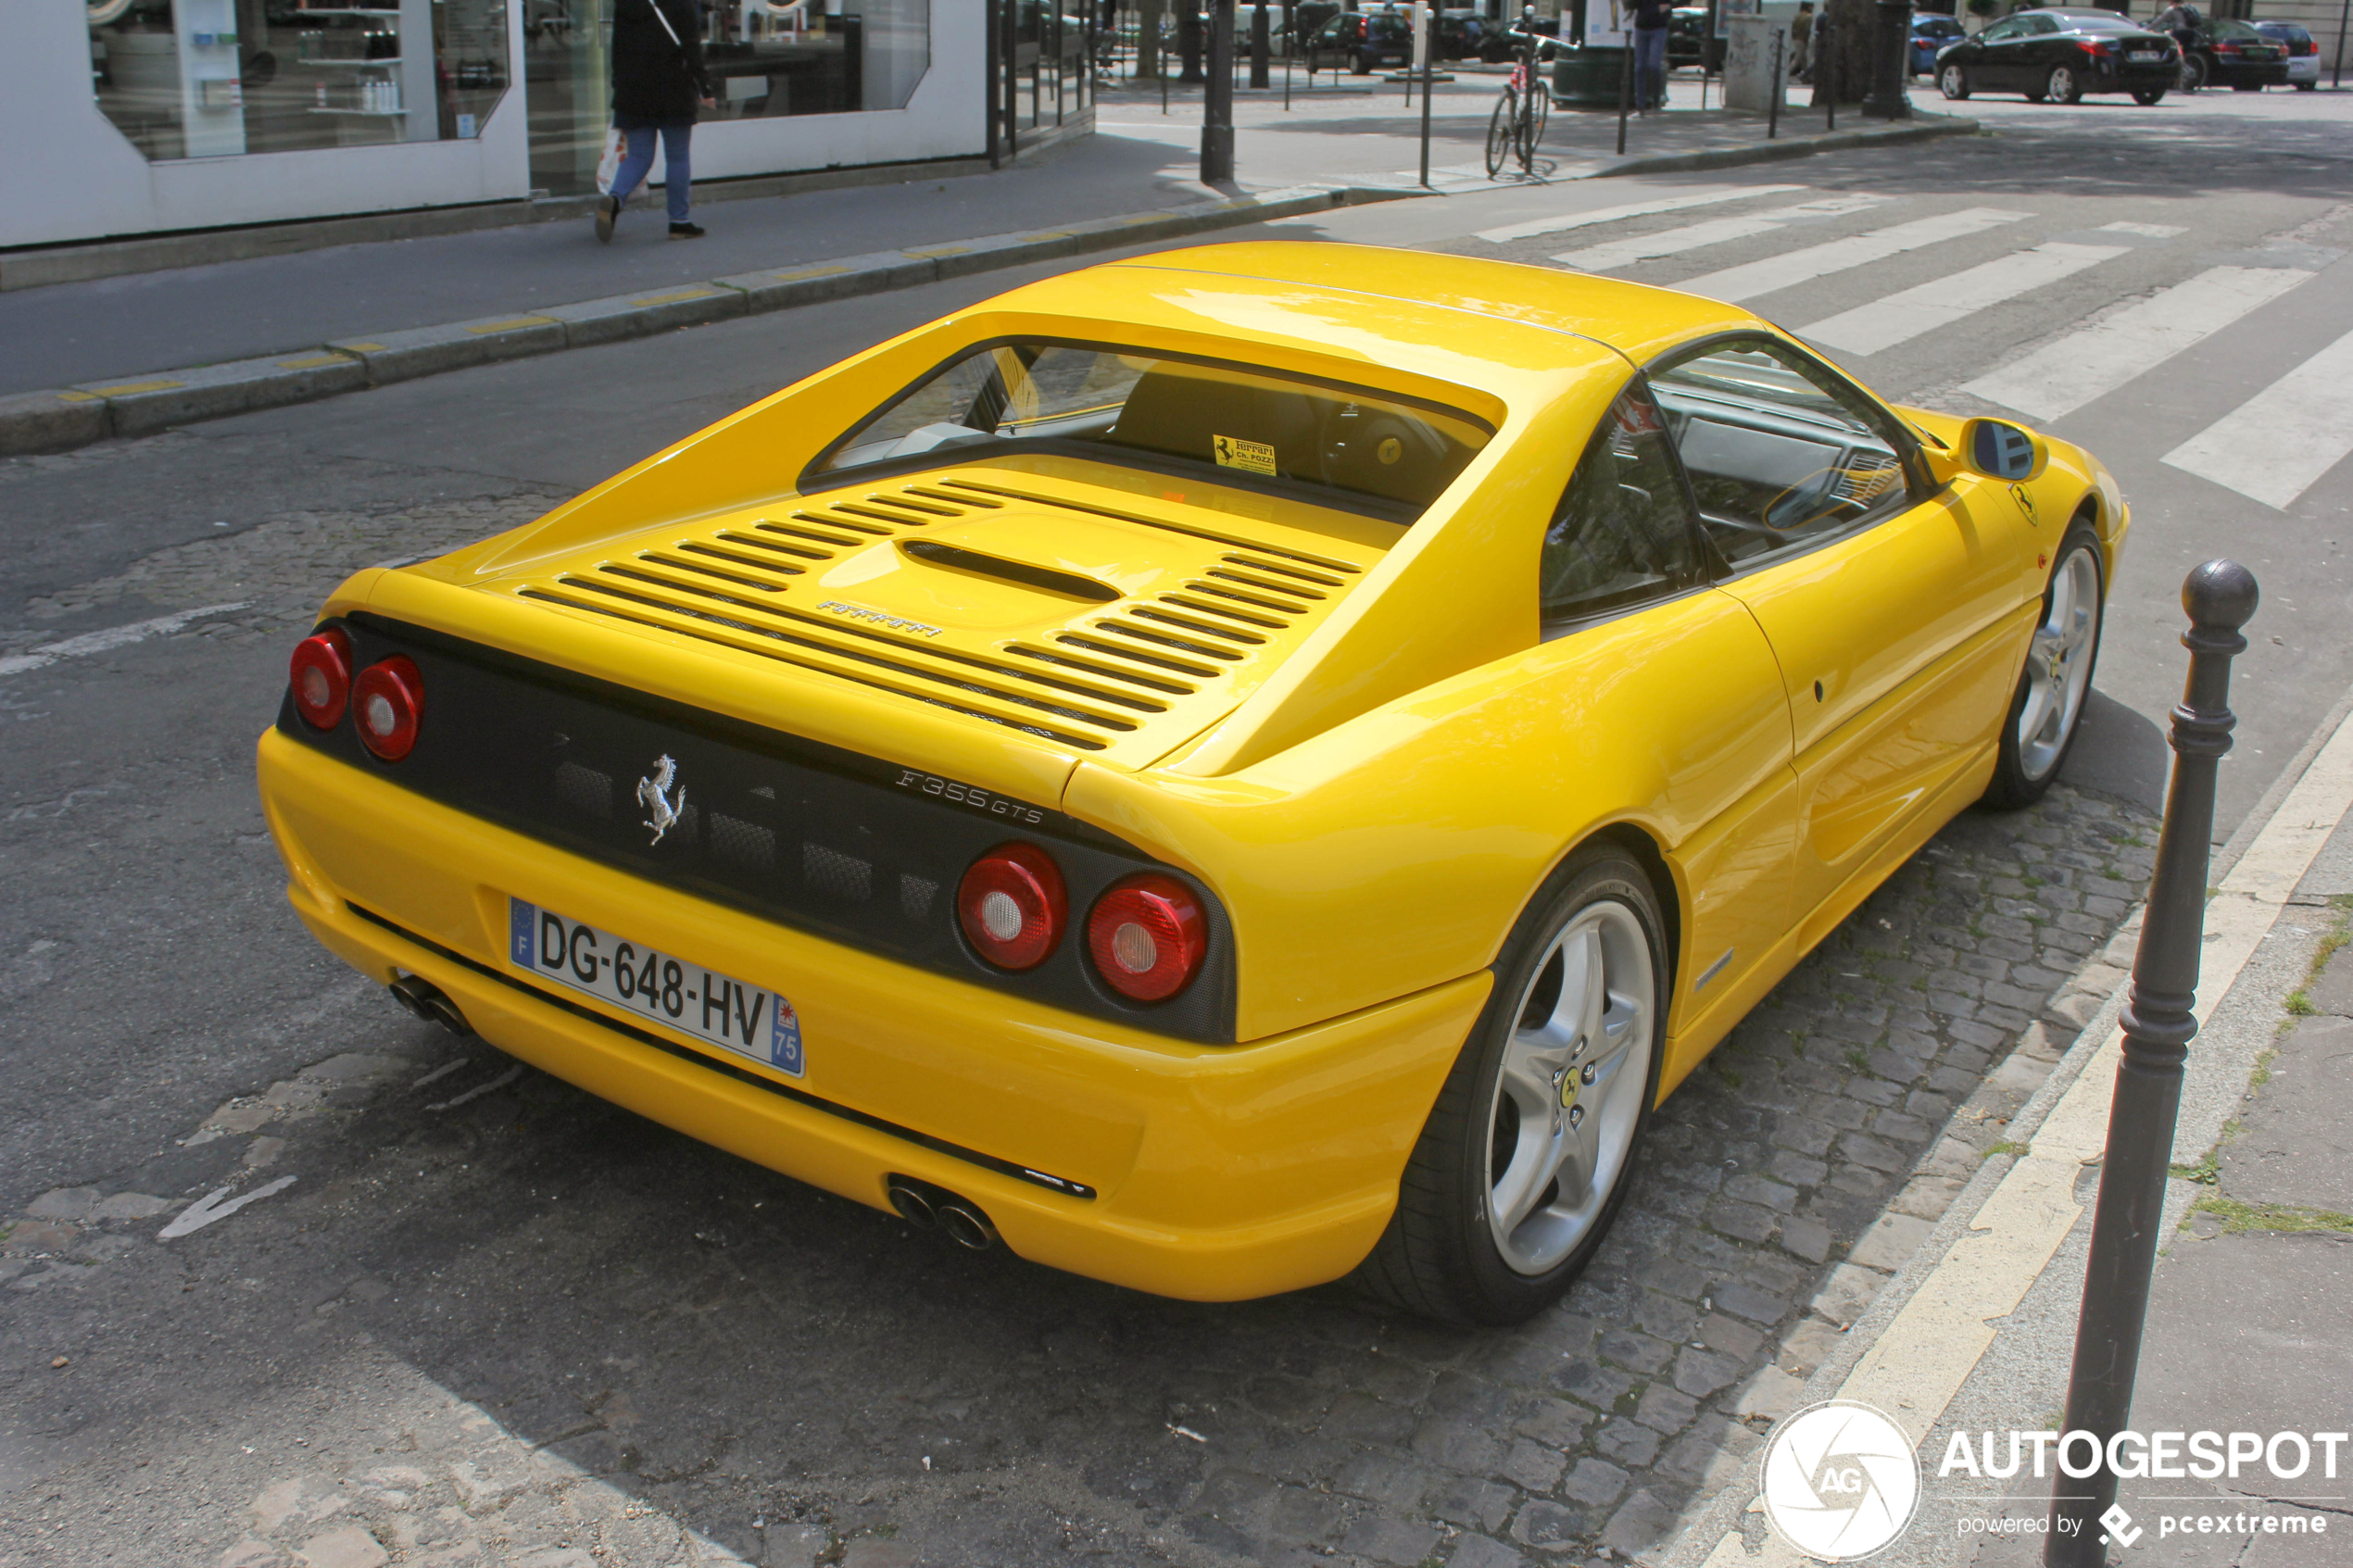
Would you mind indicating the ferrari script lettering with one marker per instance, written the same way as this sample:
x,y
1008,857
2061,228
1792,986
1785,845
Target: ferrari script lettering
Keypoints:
x,y
860,613
969,794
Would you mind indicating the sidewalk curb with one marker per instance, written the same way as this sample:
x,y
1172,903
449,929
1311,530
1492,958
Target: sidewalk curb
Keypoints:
x,y
62,418
1923,129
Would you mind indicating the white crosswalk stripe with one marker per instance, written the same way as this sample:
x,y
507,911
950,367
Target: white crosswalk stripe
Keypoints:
x,y
2062,376
2275,446
1752,279
1563,222
1905,315
1612,254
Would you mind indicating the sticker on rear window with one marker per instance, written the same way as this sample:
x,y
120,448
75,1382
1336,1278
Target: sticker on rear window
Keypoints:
x,y
1250,457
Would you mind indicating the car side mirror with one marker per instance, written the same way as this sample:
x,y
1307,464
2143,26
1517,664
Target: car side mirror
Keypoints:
x,y
1999,449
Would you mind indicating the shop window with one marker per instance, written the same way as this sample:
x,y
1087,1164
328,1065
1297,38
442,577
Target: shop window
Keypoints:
x,y
831,56
213,78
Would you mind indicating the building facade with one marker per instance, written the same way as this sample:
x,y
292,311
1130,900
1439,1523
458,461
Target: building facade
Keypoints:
x,y
154,116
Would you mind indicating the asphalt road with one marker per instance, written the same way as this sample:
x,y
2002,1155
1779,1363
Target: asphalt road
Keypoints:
x,y
491,1317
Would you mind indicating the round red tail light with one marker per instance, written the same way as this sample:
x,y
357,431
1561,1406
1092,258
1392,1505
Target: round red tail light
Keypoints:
x,y
1012,906
389,698
319,674
1148,937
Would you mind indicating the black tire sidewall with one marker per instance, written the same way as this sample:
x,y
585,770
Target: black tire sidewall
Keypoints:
x,y
2010,786
1490,1290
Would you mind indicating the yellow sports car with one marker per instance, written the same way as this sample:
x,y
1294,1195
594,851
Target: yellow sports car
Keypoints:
x,y
1222,770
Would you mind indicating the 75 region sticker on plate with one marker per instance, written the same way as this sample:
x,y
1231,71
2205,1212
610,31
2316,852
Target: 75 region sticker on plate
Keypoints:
x,y
715,1009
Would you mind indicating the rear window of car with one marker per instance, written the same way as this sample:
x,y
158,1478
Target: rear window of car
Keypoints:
x,y
1259,429
2236,31
2286,32
2102,22
1389,29
1936,27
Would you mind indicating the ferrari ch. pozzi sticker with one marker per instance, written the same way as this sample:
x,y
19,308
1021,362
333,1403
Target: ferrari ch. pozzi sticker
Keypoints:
x,y
1250,457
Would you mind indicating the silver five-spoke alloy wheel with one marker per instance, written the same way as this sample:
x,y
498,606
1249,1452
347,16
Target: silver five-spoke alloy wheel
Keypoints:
x,y
2058,665
1568,1097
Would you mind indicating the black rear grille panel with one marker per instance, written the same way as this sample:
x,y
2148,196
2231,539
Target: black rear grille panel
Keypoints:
x,y
1193,623
846,846
1210,607
1157,660
1282,568
1097,667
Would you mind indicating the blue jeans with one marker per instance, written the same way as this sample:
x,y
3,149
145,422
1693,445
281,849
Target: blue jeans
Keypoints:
x,y
637,161
1650,67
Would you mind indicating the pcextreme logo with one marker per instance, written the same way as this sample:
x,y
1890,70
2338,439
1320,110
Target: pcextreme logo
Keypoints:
x,y
1841,1480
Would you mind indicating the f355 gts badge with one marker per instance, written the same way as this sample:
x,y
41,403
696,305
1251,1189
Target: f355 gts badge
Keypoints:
x,y
653,794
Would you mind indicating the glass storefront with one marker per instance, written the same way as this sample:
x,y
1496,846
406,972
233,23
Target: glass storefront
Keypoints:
x,y
830,56
185,79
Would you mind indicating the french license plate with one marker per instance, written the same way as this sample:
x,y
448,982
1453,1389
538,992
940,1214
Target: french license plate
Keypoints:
x,y
2145,57
716,1008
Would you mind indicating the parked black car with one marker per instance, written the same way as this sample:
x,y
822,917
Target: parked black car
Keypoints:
x,y
1687,35
1459,34
1500,44
1367,40
2062,54
2233,54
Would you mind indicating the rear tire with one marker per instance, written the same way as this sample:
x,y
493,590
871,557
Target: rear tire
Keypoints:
x,y
1542,1116
2046,711
2148,98
2193,73
2308,86
1953,81
2064,86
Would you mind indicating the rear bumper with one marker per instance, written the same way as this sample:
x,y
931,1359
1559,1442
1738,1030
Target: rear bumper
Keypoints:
x,y
1217,1172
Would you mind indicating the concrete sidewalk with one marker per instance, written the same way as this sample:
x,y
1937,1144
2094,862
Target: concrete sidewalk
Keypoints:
x,y
2250,1326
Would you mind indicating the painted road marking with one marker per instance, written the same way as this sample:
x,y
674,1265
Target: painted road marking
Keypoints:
x,y
112,637
2061,377
1928,1350
1612,254
1560,222
2274,445
1838,256
1906,314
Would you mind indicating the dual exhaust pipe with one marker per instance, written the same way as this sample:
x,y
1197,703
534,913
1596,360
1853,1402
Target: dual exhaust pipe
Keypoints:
x,y
935,1208
421,999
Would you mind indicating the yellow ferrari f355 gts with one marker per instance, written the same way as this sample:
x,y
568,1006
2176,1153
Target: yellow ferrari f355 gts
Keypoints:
x,y
1219,771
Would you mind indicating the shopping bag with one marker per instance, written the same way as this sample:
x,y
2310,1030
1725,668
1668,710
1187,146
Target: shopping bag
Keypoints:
x,y
608,166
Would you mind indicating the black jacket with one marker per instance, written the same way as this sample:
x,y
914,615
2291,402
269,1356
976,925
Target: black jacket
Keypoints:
x,y
654,81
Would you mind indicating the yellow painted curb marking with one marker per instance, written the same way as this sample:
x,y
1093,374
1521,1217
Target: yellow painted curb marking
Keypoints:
x,y
938,250
80,398
520,321
675,297
314,362
365,347
129,387
807,272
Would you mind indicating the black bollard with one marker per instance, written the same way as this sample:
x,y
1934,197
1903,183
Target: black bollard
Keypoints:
x,y
1781,90
2221,598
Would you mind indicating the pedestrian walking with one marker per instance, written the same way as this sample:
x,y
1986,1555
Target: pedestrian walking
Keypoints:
x,y
658,83
1650,18
1801,39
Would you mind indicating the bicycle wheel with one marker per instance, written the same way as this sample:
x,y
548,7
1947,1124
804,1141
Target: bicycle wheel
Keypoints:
x,y
1502,131
1540,109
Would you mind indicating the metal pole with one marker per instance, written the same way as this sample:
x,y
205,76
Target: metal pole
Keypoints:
x,y
1288,48
2157,1023
1429,58
993,33
1625,91
1217,98
2344,15
1826,67
1259,45
1773,104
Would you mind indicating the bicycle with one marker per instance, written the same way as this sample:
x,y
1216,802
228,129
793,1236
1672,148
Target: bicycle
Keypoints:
x,y
1517,123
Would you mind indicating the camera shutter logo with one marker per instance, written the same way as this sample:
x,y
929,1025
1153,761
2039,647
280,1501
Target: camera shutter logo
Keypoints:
x,y
1841,1480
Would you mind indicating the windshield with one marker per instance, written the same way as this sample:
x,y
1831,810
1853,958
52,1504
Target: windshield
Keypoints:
x,y
1252,427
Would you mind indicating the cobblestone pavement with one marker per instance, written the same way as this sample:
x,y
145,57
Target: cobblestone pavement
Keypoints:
x,y
492,1320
